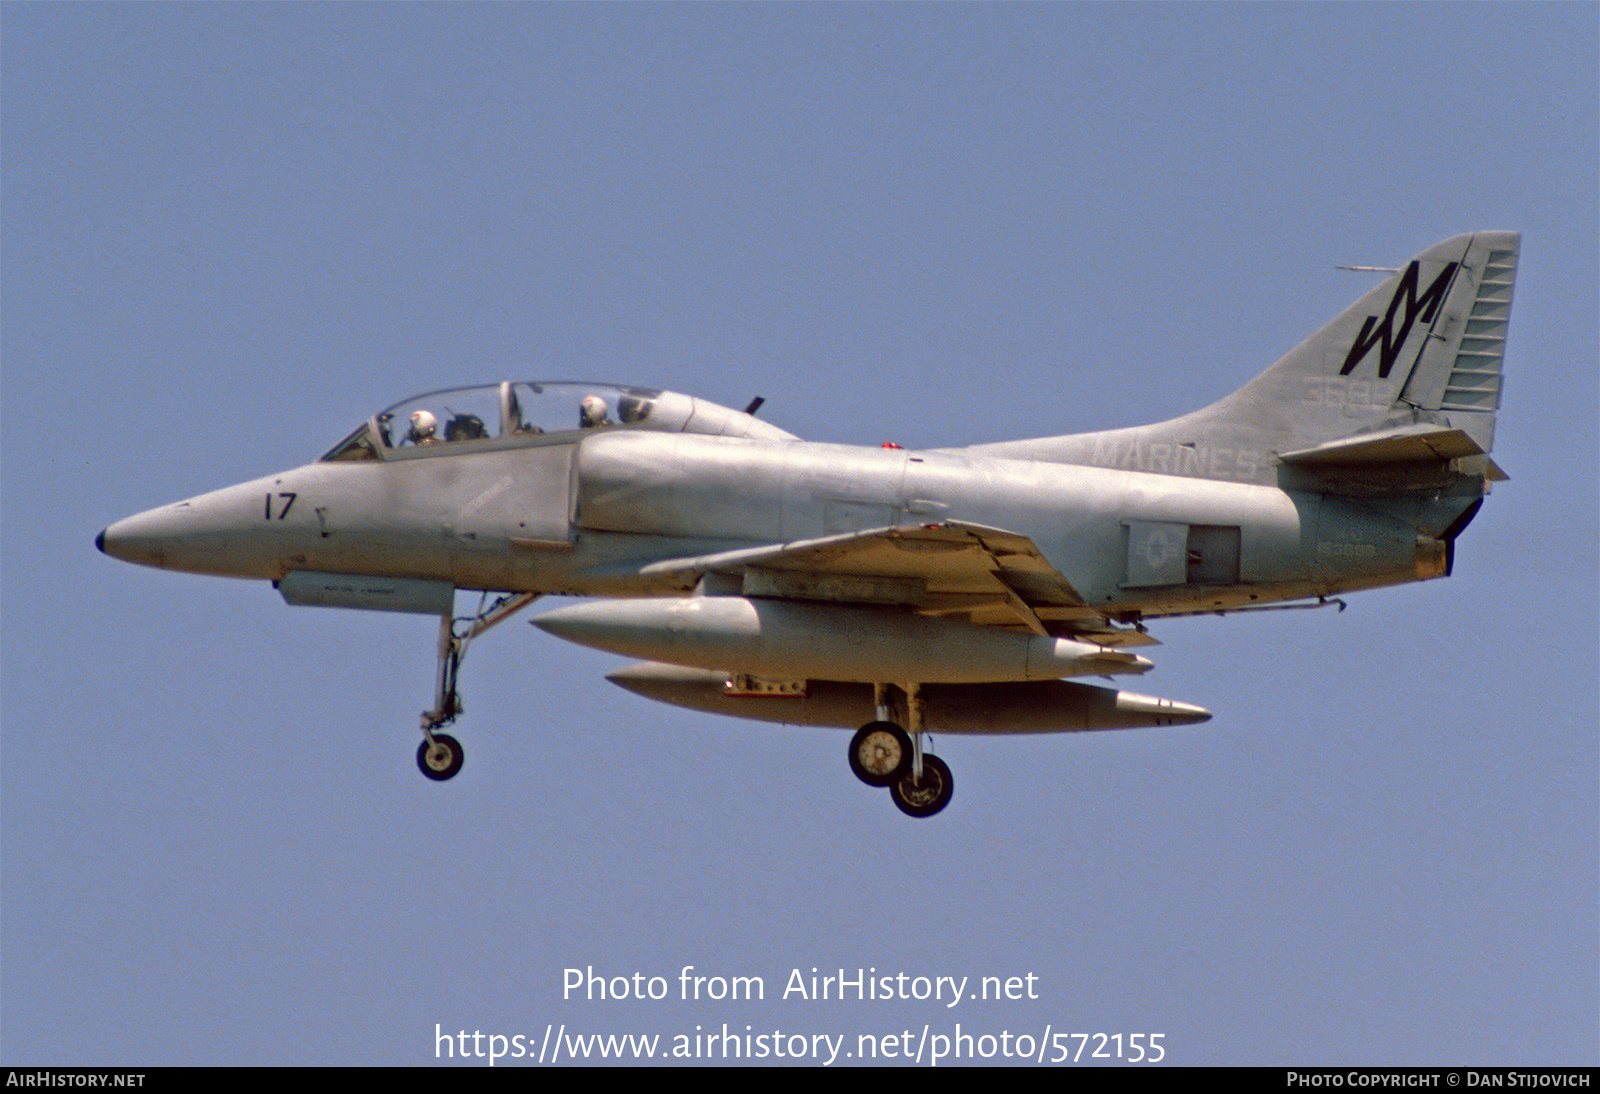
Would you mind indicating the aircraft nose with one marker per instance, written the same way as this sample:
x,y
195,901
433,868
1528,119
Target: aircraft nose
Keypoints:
x,y
216,533
140,538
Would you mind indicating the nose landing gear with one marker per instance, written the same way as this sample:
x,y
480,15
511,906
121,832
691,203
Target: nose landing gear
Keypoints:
x,y
440,755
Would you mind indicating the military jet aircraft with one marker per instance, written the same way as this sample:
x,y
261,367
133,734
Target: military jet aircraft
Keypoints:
x,y
767,577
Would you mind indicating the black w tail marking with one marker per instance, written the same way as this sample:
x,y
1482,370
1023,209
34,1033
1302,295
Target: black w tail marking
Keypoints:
x,y
1386,336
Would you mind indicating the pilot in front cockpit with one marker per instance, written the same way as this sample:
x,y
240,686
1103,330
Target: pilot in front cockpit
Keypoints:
x,y
592,412
424,428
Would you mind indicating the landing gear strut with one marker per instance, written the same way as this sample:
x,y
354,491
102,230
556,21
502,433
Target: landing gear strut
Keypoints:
x,y
883,754
440,755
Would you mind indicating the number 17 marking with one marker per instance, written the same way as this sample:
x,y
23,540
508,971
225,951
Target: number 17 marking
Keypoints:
x,y
288,501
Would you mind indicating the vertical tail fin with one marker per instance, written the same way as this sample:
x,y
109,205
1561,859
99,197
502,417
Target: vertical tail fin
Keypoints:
x,y
1428,345
1463,380
1423,353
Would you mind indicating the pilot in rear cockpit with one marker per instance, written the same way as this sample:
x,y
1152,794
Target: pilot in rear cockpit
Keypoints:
x,y
465,427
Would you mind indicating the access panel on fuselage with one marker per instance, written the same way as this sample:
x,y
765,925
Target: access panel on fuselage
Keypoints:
x,y
489,497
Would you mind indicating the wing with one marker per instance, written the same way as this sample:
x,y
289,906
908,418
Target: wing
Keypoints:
x,y
988,576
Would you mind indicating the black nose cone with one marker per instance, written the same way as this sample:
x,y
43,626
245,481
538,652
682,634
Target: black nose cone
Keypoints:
x,y
100,541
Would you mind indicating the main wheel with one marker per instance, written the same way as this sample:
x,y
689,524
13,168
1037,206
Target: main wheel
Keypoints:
x,y
442,759
880,753
926,796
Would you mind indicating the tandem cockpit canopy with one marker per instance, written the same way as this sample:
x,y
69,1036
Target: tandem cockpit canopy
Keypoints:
x,y
519,413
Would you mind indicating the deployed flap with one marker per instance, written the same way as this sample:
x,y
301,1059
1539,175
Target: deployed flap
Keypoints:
x,y
950,557
999,578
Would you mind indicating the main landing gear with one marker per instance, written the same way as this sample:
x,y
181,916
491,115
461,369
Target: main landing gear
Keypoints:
x,y
440,755
883,754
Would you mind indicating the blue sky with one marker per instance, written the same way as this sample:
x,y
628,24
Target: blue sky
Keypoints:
x,y
233,231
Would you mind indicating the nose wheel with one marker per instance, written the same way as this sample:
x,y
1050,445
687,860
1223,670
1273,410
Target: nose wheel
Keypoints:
x,y
441,757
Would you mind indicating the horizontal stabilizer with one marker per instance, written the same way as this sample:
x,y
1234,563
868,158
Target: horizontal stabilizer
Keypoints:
x,y
1402,444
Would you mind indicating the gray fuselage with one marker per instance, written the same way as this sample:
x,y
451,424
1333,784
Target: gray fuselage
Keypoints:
x,y
585,513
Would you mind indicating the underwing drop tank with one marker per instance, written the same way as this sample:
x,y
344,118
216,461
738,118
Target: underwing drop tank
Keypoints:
x,y
1040,706
783,639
